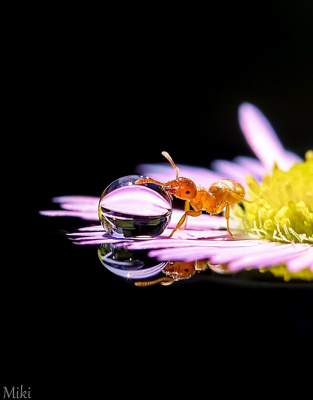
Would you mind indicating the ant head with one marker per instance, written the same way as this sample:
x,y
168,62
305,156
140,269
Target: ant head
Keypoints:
x,y
182,188
180,270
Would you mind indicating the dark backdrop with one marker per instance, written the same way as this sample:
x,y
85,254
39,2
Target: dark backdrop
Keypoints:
x,y
96,100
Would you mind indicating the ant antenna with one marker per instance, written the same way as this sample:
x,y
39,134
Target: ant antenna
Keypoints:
x,y
170,160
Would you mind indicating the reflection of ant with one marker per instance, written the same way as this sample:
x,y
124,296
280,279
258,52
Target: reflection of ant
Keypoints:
x,y
176,271
220,195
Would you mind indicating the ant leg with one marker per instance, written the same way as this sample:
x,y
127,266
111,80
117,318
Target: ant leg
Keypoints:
x,y
191,213
186,208
227,214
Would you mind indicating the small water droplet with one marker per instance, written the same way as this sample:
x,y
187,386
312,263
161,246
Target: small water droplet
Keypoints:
x,y
127,210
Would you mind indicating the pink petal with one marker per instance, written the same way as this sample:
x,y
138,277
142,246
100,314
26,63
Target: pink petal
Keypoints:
x,y
225,256
204,221
85,234
162,172
92,228
182,254
94,242
193,234
252,165
231,170
278,255
89,216
77,199
262,138
88,207
304,260
192,253
178,243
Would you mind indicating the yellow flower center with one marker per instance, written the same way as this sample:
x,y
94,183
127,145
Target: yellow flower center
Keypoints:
x,y
281,207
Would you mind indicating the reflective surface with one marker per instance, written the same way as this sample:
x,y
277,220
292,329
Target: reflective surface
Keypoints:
x,y
126,264
145,271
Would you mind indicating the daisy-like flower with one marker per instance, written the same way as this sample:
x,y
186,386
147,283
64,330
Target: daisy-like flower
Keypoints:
x,y
274,232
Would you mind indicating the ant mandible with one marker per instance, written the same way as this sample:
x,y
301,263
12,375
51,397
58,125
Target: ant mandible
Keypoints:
x,y
221,195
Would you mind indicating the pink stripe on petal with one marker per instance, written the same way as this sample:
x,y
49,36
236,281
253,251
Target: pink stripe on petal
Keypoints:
x,y
262,138
225,255
214,254
76,199
301,262
92,228
193,234
181,254
274,257
219,243
80,207
84,234
204,221
89,216
93,242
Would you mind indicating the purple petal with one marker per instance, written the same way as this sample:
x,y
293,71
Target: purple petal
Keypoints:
x,y
92,228
196,252
179,243
84,207
252,165
262,138
86,234
304,260
225,256
231,170
162,172
94,242
204,221
275,256
89,216
183,254
76,199
193,234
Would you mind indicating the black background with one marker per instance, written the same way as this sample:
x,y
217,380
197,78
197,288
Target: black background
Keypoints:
x,y
92,99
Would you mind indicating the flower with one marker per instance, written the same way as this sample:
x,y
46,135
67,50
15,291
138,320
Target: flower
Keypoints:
x,y
282,205
274,232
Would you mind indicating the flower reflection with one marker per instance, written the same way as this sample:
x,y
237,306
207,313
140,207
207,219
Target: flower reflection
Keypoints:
x,y
139,267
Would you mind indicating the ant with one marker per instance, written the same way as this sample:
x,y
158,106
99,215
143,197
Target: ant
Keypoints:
x,y
176,271
221,195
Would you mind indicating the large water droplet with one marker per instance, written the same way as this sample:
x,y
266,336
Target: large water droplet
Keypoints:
x,y
128,210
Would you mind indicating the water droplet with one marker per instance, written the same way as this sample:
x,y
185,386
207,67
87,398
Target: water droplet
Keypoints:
x,y
127,210
129,265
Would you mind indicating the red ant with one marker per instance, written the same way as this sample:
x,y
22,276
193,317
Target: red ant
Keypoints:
x,y
176,271
221,195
